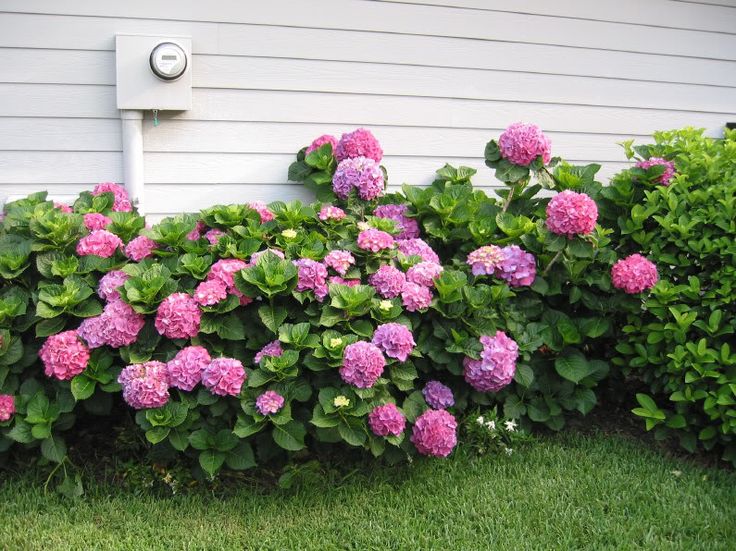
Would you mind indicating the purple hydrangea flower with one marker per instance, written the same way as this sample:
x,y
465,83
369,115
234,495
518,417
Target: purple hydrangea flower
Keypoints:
x,y
437,395
395,340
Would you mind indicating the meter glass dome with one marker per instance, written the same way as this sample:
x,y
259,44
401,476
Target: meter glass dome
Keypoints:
x,y
168,61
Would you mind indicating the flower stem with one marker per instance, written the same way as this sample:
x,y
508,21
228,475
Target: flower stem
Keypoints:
x,y
551,262
508,200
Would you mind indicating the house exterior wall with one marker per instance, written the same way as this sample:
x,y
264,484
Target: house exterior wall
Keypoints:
x,y
433,79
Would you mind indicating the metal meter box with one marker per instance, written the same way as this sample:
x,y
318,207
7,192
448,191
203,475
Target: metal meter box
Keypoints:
x,y
153,72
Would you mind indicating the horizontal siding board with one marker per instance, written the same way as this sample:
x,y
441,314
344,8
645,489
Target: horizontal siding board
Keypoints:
x,y
83,33
662,13
41,134
58,167
50,100
243,137
86,67
409,19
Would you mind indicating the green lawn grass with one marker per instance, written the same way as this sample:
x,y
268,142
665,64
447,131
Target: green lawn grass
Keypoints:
x,y
569,491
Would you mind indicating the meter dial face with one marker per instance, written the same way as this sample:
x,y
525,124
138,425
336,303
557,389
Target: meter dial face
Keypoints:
x,y
168,61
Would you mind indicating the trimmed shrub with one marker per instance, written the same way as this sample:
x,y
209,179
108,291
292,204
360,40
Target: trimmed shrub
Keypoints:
x,y
677,207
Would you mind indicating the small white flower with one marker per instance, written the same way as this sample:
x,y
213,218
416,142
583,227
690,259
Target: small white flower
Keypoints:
x,y
510,425
289,234
491,425
362,226
385,305
509,451
480,420
341,401
335,342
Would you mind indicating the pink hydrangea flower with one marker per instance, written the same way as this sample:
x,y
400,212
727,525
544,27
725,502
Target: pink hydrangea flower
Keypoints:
x,y
358,143
224,376
63,207
424,273
146,385
522,143
340,261
224,270
408,227
109,284
362,364
337,280
437,395
518,267
271,350
7,407
196,233
634,274
185,369
497,365
395,340
570,214
418,247
100,243
139,248
209,293
328,212
669,168
64,355
213,235
322,140
415,297
118,325
269,402
312,277
386,420
375,240
388,281
362,174
178,317
122,201
96,221
263,211
435,433
485,260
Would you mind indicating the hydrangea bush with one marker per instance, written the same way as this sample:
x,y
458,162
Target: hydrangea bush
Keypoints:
x,y
370,318
676,208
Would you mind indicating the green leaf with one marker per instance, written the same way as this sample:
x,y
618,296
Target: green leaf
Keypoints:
x,y
241,457
54,449
157,434
352,431
82,387
211,461
524,375
290,436
573,366
272,317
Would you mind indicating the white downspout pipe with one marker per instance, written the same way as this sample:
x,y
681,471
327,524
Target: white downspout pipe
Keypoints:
x,y
132,126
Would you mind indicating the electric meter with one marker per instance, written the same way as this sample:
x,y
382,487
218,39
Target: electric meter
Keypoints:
x,y
168,61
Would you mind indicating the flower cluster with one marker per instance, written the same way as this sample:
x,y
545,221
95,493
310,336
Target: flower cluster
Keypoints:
x,y
570,214
272,350
360,173
424,273
340,261
210,292
7,407
117,326
362,364
522,143
100,243
518,267
408,227
96,221
109,284
322,140
485,260
417,247
312,277
435,433
386,420
388,281
224,271
358,143
669,168
269,402
437,395
185,369
122,201
145,385
415,297
634,274
395,340
224,376
64,355
263,211
213,235
178,317
328,212
375,240
139,248
63,207
497,365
